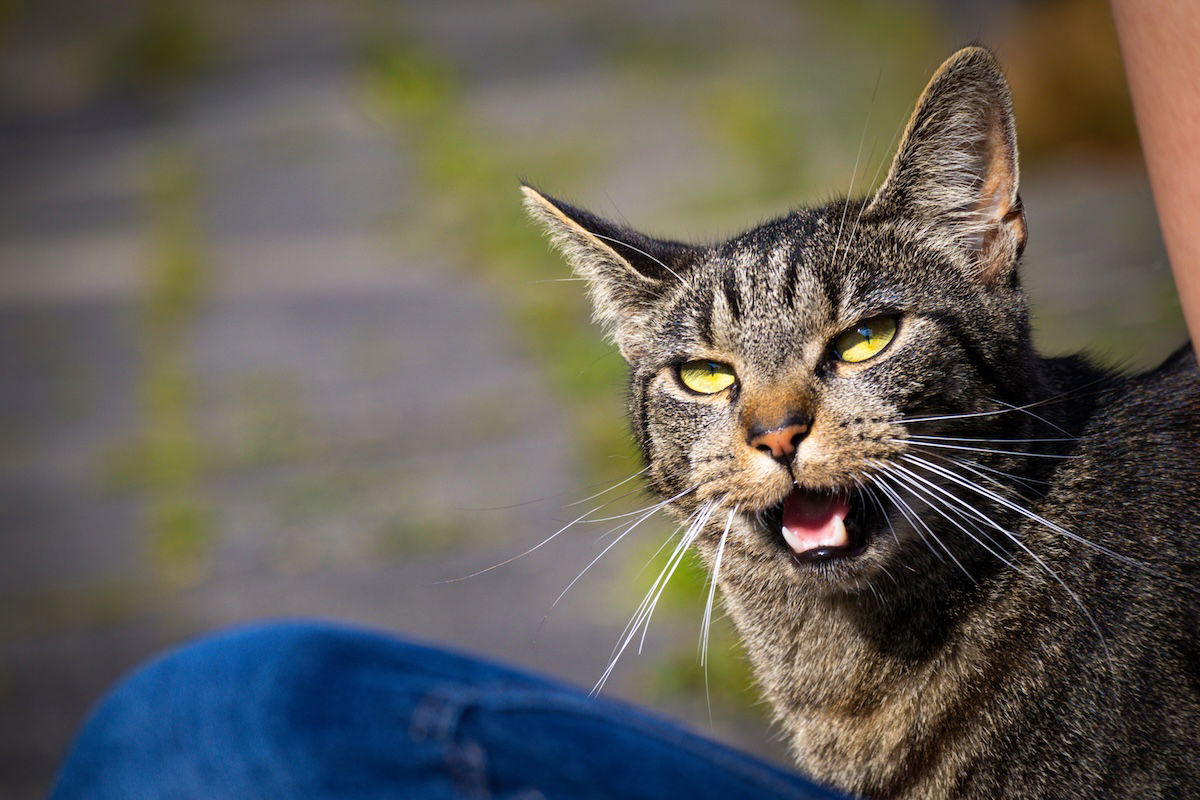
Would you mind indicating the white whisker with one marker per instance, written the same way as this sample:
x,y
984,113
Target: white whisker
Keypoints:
x,y
641,617
862,137
982,439
581,518
930,498
693,532
543,542
613,544
708,607
992,475
637,250
1017,541
609,489
1009,504
1025,410
622,515
712,587
882,511
914,444
862,207
919,524
1061,396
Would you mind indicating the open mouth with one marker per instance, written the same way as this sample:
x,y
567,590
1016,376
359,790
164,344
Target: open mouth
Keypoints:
x,y
819,526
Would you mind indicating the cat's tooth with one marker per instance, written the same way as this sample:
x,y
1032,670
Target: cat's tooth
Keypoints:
x,y
838,537
839,532
792,541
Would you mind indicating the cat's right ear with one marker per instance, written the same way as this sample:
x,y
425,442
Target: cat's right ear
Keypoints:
x,y
627,273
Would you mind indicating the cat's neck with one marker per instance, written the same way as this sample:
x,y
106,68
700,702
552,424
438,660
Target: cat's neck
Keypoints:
x,y
858,680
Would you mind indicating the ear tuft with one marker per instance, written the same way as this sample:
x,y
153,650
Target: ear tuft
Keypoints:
x,y
956,170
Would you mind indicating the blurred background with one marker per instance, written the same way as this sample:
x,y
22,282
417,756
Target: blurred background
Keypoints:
x,y
275,339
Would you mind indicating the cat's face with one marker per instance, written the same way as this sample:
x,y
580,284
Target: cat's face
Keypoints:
x,y
776,378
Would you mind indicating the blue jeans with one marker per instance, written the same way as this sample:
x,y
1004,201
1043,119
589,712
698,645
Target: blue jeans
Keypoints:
x,y
316,711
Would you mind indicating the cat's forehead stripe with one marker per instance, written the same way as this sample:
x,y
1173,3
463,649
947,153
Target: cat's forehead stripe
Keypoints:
x,y
787,259
759,295
733,300
704,318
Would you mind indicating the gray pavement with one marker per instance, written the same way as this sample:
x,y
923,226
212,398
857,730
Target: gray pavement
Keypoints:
x,y
371,424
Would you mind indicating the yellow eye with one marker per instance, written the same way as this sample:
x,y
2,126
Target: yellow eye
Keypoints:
x,y
866,340
706,377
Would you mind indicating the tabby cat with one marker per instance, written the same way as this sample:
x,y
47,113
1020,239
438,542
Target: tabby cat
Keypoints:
x,y
959,569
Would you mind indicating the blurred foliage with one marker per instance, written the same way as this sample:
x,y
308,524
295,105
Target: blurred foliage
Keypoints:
x,y
750,120
167,462
266,426
180,522
404,537
63,56
164,48
403,81
69,608
10,13
471,213
177,278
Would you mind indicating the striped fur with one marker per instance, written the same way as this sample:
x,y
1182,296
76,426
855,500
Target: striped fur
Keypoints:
x,y
1022,619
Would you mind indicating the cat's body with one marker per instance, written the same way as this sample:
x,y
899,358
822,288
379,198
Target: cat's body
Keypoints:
x,y
1006,689
959,569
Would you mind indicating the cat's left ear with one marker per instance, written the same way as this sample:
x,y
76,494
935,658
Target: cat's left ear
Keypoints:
x,y
627,273
955,173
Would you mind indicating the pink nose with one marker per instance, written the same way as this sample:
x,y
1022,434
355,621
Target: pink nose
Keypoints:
x,y
780,443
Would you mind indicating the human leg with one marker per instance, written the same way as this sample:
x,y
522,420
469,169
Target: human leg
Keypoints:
x,y
315,711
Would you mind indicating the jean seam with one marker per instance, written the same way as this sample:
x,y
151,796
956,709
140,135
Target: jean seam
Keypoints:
x,y
519,700
436,718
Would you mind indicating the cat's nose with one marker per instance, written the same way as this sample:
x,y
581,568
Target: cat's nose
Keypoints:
x,y
780,442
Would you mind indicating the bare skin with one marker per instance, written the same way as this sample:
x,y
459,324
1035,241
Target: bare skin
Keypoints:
x,y
1162,62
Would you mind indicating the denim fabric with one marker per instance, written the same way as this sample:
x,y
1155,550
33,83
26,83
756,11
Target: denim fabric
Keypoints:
x,y
317,711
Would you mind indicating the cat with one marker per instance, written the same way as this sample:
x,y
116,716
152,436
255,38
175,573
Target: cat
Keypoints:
x,y
959,569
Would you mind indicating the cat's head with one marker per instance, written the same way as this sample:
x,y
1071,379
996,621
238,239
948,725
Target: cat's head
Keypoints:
x,y
778,373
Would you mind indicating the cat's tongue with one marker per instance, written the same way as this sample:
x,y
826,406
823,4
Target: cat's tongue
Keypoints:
x,y
812,521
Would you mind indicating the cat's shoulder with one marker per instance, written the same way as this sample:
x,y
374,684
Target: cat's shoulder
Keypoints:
x,y
1137,453
1111,407
1164,399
